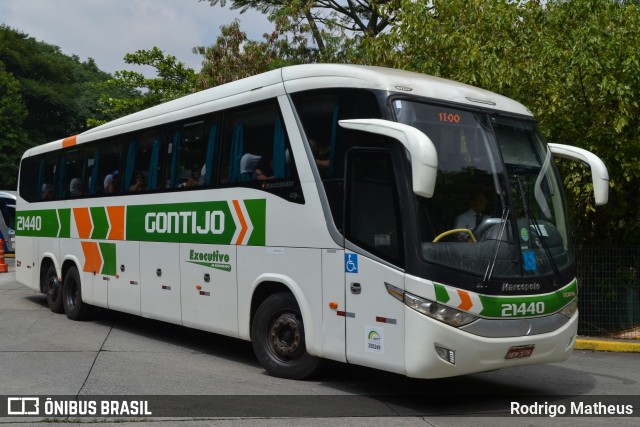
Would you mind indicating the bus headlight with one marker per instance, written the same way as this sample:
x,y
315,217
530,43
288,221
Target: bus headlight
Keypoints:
x,y
570,309
432,309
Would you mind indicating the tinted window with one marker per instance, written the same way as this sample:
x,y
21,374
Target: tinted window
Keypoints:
x,y
372,207
192,154
320,111
256,152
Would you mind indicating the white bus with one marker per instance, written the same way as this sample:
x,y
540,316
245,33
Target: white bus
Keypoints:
x,y
312,210
7,220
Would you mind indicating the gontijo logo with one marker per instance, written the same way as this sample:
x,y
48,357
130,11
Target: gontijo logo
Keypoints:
x,y
184,222
235,222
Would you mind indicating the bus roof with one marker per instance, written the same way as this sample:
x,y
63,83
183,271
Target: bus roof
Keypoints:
x,y
299,78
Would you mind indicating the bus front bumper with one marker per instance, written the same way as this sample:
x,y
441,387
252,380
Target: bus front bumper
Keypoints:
x,y
468,353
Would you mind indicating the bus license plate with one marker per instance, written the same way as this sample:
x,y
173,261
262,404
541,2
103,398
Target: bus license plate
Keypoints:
x,y
519,352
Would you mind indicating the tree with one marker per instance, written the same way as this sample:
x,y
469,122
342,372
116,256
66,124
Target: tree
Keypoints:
x,y
234,56
574,64
51,84
130,91
44,95
12,136
360,18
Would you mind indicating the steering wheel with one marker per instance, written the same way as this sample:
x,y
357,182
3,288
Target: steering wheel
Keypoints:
x,y
485,225
456,231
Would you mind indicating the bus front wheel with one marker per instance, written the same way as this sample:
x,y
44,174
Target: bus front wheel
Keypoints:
x,y
277,336
52,289
74,307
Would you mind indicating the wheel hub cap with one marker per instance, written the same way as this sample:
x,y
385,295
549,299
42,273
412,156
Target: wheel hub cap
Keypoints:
x,y
284,335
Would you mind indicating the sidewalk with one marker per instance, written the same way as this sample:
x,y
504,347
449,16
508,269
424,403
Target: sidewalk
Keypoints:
x,y
605,344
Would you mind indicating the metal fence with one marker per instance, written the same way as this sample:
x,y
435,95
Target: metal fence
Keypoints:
x,y
609,291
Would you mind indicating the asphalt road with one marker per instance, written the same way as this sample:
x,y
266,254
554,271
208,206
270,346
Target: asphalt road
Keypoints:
x,y
113,354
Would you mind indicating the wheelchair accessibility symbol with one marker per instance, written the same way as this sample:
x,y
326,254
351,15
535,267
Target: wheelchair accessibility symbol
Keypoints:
x,y
350,263
529,258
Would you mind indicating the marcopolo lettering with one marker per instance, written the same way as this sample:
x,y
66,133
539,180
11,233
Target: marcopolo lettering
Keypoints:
x,y
520,287
186,222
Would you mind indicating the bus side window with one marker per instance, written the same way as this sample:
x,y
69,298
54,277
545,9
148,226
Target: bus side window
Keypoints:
x,y
72,173
191,154
256,152
30,173
372,216
320,111
143,152
110,167
100,163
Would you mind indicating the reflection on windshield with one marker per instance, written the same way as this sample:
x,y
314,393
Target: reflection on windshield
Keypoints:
x,y
497,209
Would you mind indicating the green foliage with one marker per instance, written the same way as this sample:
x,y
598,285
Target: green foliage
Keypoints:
x,y
234,56
12,115
130,91
574,64
332,25
51,85
45,95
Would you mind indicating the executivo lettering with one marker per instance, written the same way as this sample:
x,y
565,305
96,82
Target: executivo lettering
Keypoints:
x,y
214,259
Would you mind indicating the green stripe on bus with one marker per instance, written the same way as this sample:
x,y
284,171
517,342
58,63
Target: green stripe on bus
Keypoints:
x,y
108,252
100,223
256,210
441,293
40,223
529,305
199,222
65,222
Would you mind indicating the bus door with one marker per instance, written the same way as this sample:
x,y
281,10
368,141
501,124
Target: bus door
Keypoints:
x,y
374,320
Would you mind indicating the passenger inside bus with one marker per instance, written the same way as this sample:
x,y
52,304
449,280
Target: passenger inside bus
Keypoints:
x,y
47,191
111,182
264,169
75,187
138,182
248,164
194,178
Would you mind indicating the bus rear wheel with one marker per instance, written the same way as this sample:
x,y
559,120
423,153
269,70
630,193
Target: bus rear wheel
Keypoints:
x,y
277,336
53,290
74,307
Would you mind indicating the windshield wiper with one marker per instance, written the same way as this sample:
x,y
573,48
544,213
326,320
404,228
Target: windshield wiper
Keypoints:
x,y
532,220
496,246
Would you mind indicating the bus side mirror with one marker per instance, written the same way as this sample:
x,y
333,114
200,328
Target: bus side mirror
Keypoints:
x,y
424,158
599,173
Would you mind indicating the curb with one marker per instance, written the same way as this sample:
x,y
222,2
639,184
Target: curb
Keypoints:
x,y
605,345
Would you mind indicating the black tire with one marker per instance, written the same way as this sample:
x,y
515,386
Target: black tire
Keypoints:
x,y
74,307
52,289
277,337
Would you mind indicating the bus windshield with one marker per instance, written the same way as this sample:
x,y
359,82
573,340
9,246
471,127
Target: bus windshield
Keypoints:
x,y
498,209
